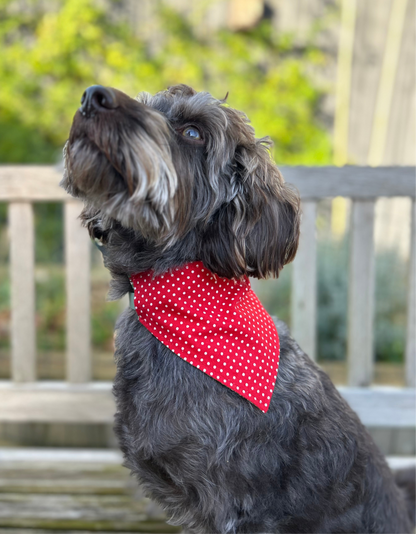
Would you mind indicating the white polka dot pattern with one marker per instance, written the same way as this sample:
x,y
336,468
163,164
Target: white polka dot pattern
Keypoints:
x,y
217,325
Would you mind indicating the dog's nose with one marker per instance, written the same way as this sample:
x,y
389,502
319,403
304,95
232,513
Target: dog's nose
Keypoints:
x,y
97,99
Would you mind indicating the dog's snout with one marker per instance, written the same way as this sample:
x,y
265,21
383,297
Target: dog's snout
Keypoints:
x,y
97,99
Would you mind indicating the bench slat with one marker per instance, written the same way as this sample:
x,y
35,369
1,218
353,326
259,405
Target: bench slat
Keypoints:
x,y
32,183
303,295
22,265
382,406
352,182
77,253
57,402
411,307
361,295
41,182
94,402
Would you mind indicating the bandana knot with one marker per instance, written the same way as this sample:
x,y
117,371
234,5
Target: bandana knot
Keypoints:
x,y
216,324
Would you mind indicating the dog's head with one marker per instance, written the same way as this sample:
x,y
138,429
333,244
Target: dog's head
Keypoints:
x,y
182,163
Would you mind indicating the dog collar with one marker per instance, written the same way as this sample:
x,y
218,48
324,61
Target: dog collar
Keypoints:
x,y
216,324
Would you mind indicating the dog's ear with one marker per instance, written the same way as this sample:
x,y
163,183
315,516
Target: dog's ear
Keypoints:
x,y
257,231
271,236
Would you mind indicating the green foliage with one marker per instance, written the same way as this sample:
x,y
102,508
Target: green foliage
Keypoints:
x,y
333,261
49,57
390,302
51,310
390,306
275,294
49,232
333,256
103,319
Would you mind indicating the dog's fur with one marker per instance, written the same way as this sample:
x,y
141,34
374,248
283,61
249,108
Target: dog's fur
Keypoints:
x,y
157,200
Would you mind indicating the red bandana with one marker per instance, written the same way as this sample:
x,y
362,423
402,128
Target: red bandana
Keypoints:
x,y
215,324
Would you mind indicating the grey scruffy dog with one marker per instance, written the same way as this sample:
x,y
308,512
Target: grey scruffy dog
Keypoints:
x,y
180,177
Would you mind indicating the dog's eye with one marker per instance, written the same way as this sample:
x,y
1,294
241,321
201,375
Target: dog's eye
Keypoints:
x,y
191,133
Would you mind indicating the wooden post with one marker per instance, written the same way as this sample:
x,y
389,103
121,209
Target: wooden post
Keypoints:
x,y
361,295
77,254
411,307
303,300
385,90
344,74
22,265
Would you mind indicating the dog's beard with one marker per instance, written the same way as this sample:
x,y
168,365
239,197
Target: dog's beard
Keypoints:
x,y
128,175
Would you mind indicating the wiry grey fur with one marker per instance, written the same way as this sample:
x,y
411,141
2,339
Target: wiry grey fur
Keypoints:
x,y
215,462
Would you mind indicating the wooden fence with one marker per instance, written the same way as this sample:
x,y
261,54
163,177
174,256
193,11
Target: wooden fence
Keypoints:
x,y
78,399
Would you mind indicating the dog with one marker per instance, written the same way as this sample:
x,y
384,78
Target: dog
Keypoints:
x,y
187,204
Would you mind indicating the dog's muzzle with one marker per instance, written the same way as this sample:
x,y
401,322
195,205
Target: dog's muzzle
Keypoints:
x,y
97,99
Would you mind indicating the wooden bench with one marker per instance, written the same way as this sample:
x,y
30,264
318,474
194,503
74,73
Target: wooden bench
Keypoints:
x,y
45,491
78,399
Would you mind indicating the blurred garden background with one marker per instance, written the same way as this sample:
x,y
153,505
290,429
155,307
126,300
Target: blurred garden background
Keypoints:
x,y
289,66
